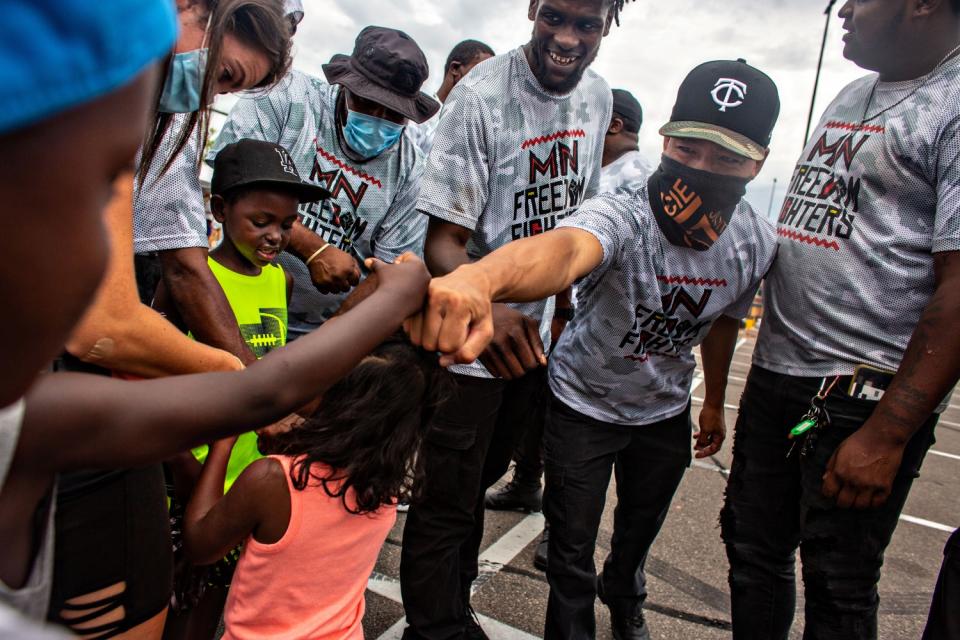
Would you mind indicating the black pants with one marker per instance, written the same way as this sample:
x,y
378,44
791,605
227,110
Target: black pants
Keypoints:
x,y
580,454
528,453
466,450
774,504
944,620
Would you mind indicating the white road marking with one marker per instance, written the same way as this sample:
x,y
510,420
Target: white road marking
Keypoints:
x,y
930,524
700,464
698,380
385,586
491,561
495,629
927,523
501,552
945,455
395,632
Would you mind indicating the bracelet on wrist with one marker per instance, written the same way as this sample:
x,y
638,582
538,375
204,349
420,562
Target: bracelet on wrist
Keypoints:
x,y
316,254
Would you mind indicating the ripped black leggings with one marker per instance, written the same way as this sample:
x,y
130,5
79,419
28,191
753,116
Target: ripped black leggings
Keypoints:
x,y
112,537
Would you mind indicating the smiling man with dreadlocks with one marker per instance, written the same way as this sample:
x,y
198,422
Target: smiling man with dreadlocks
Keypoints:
x,y
517,149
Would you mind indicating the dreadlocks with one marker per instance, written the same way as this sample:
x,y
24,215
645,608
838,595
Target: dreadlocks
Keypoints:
x,y
618,7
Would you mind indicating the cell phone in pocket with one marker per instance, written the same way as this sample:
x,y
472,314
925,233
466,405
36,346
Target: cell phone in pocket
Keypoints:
x,y
869,383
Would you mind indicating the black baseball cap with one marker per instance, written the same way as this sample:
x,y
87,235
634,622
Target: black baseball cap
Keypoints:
x,y
628,108
388,67
253,162
727,102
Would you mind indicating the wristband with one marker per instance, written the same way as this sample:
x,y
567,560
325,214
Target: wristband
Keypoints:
x,y
316,254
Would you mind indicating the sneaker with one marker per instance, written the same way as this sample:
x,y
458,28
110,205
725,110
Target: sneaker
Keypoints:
x,y
626,625
515,495
472,629
540,555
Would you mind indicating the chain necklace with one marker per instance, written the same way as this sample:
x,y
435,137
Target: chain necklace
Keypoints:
x,y
922,84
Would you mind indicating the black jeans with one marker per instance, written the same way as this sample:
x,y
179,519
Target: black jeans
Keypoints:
x,y
944,620
580,454
528,454
774,504
466,450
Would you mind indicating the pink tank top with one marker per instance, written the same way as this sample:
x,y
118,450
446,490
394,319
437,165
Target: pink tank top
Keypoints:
x,y
309,584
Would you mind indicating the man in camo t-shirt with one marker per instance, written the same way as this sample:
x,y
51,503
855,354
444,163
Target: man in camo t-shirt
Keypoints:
x,y
624,167
348,136
862,303
517,149
659,270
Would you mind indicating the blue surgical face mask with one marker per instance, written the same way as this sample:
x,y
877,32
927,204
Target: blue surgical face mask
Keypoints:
x,y
369,136
184,83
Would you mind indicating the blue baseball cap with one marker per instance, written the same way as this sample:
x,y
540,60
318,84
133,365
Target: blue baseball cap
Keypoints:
x,y
58,54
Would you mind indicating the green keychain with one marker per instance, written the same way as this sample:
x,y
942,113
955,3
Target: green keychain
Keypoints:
x,y
803,427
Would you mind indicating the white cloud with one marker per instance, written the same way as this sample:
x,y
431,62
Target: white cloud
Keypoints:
x,y
657,44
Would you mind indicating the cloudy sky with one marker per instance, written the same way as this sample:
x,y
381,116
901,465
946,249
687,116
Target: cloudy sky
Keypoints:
x,y
658,43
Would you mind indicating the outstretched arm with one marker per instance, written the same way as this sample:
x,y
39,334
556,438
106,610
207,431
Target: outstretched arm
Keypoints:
x,y
457,319
77,421
118,332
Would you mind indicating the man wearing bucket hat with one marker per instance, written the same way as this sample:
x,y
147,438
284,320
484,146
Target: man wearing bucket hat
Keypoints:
x,y
348,135
673,265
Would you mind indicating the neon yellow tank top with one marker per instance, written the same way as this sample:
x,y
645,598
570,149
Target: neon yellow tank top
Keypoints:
x,y
260,305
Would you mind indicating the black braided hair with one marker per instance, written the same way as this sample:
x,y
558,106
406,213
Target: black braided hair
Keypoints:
x,y
618,7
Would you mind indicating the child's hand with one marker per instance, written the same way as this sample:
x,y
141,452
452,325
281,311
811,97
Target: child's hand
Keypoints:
x,y
407,279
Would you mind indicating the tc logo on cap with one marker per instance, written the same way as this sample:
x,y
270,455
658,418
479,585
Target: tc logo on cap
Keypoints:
x,y
735,90
286,162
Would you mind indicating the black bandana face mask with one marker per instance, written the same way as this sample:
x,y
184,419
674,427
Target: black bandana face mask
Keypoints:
x,y
693,207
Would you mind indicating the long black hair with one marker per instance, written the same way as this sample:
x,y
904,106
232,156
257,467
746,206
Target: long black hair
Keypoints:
x,y
368,429
260,24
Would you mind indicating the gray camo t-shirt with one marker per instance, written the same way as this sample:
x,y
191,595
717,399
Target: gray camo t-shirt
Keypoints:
x,y
372,212
868,207
626,174
510,160
626,358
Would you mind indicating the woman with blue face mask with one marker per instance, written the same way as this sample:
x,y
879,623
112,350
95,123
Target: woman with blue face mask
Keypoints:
x,y
113,561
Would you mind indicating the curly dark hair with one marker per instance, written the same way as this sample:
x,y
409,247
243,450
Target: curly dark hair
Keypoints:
x,y
368,429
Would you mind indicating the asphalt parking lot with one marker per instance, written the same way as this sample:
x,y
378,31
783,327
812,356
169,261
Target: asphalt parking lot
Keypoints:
x,y
687,569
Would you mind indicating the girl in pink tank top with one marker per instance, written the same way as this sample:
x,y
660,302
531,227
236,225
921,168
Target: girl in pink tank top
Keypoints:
x,y
314,515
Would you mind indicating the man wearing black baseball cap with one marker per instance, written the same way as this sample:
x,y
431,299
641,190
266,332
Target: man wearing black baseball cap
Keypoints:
x,y
348,135
673,265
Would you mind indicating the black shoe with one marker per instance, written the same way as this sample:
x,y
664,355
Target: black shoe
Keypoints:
x,y
625,624
540,555
515,495
472,629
